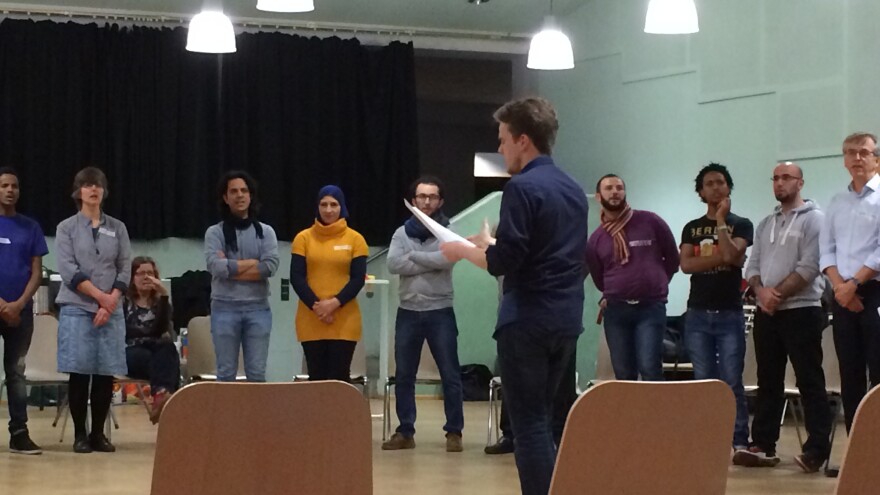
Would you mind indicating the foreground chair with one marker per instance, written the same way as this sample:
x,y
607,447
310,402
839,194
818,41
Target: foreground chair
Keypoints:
x,y
652,438
266,438
858,472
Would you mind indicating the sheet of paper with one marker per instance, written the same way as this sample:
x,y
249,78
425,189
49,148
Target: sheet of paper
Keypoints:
x,y
439,231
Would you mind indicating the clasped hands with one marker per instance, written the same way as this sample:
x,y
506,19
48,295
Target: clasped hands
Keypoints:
x,y
106,306
325,309
10,312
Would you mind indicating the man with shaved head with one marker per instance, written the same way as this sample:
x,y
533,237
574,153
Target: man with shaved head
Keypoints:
x,y
850,247
783,270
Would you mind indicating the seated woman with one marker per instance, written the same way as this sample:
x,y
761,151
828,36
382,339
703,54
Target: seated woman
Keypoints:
x,y
150,350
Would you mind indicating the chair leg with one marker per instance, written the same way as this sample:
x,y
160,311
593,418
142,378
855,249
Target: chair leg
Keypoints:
x,y
795,413
366,389
836,412
784,410
490,422
386,411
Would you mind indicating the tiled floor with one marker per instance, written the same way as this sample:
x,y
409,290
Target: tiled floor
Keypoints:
x,y
427,470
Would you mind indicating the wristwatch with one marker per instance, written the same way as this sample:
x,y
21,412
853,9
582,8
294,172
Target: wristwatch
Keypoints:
x,y
855,281
723,227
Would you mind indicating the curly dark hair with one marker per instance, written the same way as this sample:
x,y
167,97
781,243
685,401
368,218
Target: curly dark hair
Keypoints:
x,y
223,185
712,167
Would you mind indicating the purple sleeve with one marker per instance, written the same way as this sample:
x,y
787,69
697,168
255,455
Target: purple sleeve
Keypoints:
x,y
597,272
668,248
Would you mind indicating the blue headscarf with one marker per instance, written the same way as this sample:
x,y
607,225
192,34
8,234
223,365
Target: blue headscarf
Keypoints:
x,y
336,193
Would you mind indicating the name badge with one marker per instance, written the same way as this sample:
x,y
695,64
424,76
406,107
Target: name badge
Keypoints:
x,y
343,247
4,240
108,233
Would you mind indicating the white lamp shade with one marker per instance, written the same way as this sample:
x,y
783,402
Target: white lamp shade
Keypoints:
x,y
672,17
210,32
550,50
286,5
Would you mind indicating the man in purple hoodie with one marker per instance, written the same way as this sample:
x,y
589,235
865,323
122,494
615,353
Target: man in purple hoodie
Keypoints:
x,y
632,257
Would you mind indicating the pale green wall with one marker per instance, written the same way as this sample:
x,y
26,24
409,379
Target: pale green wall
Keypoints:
x,y
175,256
763,81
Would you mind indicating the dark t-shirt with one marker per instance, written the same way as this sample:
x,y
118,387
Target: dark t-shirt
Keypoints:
x,y
718,288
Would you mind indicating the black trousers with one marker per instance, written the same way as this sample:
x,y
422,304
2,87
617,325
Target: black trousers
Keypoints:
x,y
562,402
156,361
857,341
329,359
794,334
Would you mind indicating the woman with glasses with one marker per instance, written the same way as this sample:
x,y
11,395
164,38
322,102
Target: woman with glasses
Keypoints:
x,y
93,254
327,270
150,351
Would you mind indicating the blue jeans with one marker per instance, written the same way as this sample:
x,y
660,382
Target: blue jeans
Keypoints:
x,y
439,329
248,330
533,361
16,342
634,333
716,343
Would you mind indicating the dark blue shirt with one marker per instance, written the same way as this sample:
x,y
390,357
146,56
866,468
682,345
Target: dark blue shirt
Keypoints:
x,y
541,238
21,239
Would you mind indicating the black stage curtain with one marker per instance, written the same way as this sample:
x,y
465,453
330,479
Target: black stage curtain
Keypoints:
x,y
163,123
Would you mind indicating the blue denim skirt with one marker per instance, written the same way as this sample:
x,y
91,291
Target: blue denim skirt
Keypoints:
x,y
87,349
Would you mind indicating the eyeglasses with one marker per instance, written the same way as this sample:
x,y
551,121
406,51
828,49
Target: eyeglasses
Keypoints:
x,y
863,153
428,197
785,178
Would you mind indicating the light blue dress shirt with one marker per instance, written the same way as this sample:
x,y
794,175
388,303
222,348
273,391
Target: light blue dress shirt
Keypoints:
x,y
850,236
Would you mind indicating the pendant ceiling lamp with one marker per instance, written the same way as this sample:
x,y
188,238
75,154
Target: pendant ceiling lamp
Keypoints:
x,y
210,31
672,17
550,49
286,5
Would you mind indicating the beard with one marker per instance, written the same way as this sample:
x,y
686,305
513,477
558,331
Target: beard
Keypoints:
x,y
613,207
782,197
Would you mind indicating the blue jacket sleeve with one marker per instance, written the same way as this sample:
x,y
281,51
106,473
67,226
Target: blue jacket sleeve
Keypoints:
x,y
298,281
513,234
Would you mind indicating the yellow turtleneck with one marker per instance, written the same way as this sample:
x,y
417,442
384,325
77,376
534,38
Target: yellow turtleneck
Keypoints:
x,y
328,250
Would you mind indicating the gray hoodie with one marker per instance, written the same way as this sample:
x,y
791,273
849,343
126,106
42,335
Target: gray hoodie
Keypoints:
x,y
786,243
425,275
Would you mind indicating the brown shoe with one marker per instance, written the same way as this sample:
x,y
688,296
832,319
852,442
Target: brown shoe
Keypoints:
x,y
453,442
399,442
159,400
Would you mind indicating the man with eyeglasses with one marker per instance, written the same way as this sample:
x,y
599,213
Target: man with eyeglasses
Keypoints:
x,y
783,270
425,314
850,257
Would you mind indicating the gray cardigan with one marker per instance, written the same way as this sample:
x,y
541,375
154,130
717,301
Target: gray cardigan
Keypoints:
x,y
103,258
425,275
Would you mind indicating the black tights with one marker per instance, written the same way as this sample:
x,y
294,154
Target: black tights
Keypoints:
x,y
78,397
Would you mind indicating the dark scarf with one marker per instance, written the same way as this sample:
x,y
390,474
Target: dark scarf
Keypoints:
x,y
233,223
417,230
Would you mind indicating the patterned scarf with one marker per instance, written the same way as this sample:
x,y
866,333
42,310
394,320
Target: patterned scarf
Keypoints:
x,y
615,230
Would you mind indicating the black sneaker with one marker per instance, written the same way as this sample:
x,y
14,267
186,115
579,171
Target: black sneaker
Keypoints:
x,y
503,446
755,456
809,462
21,443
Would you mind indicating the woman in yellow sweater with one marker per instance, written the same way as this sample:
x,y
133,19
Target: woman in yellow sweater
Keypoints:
x,y
327,270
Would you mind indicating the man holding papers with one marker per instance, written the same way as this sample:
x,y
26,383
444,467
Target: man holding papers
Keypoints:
x,y
541,237
425,314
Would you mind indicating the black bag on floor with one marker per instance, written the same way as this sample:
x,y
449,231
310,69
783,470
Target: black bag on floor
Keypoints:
x,y
475,380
